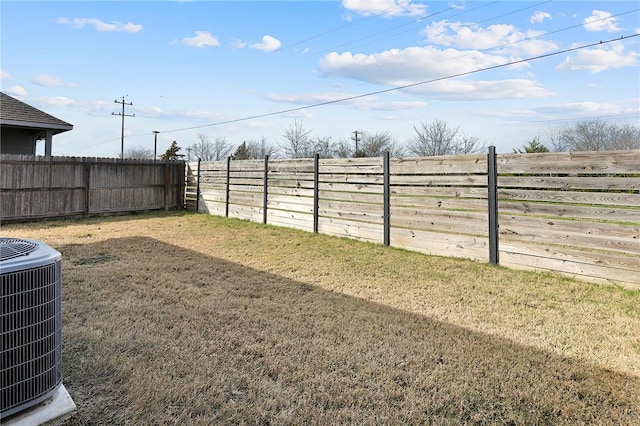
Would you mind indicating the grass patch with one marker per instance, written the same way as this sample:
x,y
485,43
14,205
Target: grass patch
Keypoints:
x,y
184,318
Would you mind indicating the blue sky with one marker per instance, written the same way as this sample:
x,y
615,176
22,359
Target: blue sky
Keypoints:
x,y
188,66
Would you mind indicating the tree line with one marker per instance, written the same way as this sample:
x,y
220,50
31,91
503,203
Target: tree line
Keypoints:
x,y
432,138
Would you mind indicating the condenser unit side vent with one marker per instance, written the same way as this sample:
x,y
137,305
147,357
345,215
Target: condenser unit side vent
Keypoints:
x,y
30,324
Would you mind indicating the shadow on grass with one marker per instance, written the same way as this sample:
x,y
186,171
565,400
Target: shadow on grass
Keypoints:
x,y
156,334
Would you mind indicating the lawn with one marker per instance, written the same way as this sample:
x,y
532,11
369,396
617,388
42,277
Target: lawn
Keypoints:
x,y
176,318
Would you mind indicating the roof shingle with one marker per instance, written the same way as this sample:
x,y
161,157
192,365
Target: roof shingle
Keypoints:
x,y
14,111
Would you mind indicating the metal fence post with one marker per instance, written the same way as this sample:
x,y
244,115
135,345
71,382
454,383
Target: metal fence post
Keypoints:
x,y
492,187
316,191
198,188
87,189
265,196
226,208
386,164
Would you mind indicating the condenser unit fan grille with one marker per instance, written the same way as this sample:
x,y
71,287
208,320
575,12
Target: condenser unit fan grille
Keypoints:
x,y
14,247
30,335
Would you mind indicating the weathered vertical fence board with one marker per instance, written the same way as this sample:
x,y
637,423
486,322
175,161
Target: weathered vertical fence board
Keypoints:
x,y
35,187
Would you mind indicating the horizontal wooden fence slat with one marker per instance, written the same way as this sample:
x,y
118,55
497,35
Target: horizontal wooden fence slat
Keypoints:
x,y
290,183
439,165
350,196
603,162
604,213
603,237
351,178
575,197
328,164
440,243
291,207
296,192
622,271
350,229
291,219
572,182
440,203
441,221
435,191
348,187
247,165
439,180
573,213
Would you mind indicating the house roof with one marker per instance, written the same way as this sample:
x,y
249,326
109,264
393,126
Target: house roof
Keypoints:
x,y
16,113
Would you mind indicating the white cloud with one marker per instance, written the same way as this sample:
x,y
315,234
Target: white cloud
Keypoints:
x,y
601,21
238,44
396,68
49,81
386,8
598,60
461,89
269,44
471,36
100,25
16,91
56,101
5,75
584,109
201,39
539,17
364,103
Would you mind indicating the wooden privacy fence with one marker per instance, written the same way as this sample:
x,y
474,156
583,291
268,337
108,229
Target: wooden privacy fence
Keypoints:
x,y
573,213
36,187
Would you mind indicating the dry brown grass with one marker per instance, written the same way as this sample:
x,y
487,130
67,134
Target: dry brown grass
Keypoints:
x,y
191,319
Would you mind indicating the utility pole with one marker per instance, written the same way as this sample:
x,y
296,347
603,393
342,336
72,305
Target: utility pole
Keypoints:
x,y
189,153
123,115
356,139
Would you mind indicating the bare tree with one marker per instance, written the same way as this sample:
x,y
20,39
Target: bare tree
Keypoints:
x,y
586,135
375,144
324,147
465,145
344,148
438,138
208,150
257,149
297,143
555,142
432,139
139,153
624,136
370,145
597,135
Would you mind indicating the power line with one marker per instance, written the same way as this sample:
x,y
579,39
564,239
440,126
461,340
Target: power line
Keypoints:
x,y
422,18
526,38
335,29
407,86
568,120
